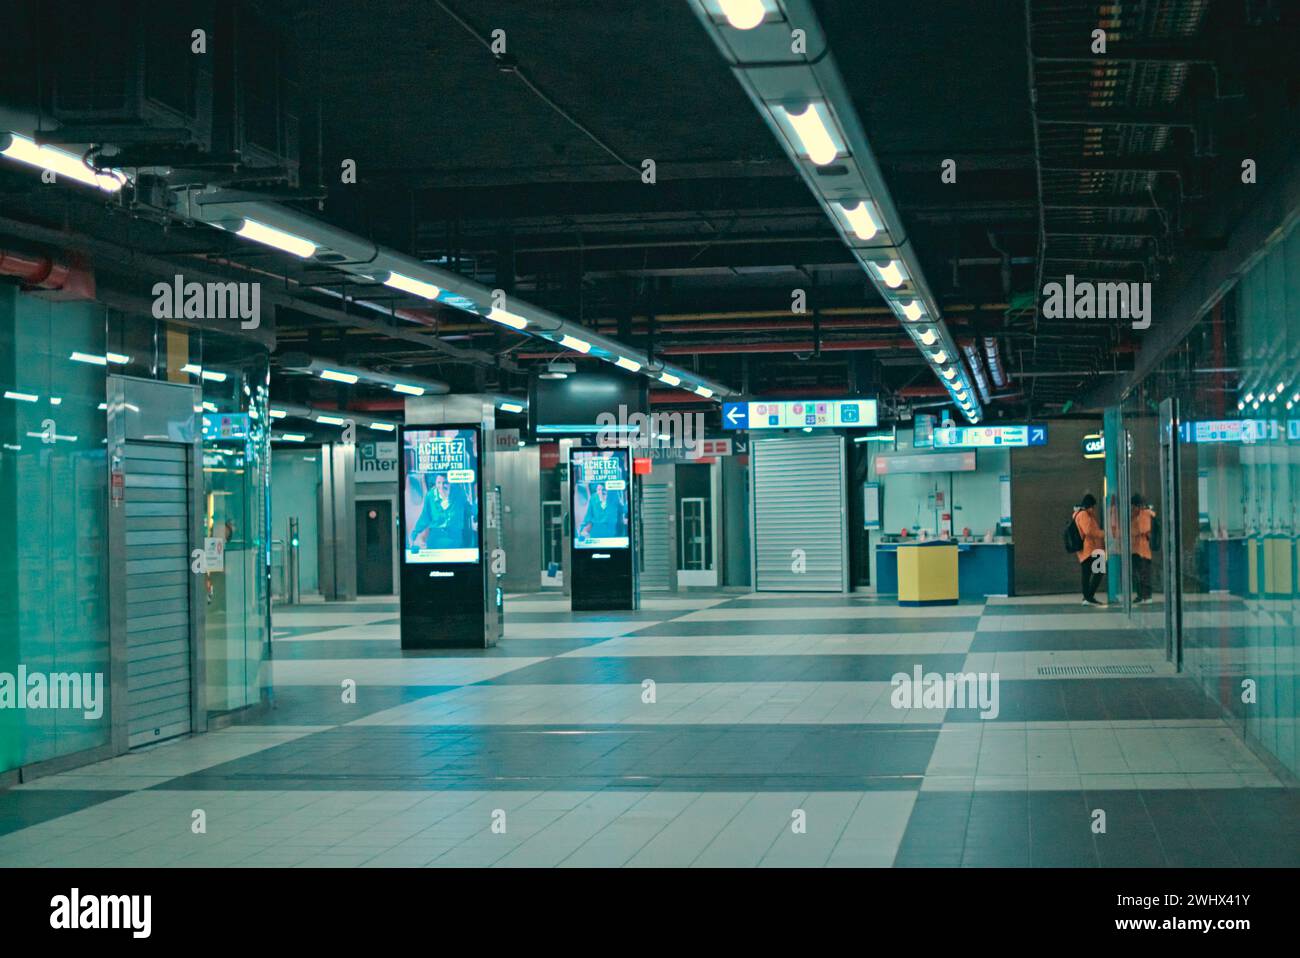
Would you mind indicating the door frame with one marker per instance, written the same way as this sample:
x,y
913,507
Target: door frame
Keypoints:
x,y
391,499
175,403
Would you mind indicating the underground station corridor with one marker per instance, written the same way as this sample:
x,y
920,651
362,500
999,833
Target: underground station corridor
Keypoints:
x,y
607,436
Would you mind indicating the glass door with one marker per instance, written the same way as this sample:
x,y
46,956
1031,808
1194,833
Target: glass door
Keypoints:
x,y
1170,546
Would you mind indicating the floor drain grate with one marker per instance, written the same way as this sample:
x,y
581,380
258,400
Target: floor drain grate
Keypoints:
x,y
1096,670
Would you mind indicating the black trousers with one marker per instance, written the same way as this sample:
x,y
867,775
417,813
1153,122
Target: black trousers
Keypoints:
x,y
1088,579
1141,577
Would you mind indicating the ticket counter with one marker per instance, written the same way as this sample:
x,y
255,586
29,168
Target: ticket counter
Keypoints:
x,y
983,568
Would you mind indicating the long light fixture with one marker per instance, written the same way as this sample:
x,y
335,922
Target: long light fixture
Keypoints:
x,y
279,239
306,236
411,285
59,162
811,127
407,389
511,407
115,358
211,375
743,14
507,318
860,220
334,375
631,365
798,90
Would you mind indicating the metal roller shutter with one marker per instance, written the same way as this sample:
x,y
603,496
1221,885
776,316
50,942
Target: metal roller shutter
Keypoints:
x,y
157,592
799,504
657,560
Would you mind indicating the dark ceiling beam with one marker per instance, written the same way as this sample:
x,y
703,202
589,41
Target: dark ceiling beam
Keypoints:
x,y
1128,52
1130,230
1108,116
1099,202
1135,163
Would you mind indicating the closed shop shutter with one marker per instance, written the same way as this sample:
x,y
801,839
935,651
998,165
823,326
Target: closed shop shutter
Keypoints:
x,y
799,504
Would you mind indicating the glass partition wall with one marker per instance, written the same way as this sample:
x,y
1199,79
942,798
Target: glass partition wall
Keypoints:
x,y
1214,447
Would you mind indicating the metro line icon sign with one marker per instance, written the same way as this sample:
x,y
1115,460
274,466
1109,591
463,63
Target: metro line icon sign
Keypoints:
x,y
799,414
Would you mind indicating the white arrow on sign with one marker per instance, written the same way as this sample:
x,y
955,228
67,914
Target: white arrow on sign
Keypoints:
x,y
731,415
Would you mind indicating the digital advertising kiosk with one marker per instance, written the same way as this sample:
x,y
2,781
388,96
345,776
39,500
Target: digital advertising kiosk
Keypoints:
x,y
449,535
602,554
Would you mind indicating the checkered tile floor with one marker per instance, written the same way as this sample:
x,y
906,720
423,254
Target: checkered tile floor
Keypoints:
x,y
770,739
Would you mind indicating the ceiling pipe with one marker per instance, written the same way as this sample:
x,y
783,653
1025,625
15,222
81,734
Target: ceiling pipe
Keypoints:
x,y
993,357
45,274
977,369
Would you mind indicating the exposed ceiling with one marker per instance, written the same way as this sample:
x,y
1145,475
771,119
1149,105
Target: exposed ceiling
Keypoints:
x,y
523,172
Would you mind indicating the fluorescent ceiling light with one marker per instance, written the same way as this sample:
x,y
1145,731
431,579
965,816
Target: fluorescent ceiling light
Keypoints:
x,y
629,364
743,14
335,376
812,128
512,407
118,358
210,406
912,310
209,374
861,221
507,318
950,374
408,285
270,236
59,162
670,379
278,413
572,342
409,390
292,437
56,400
383,426
891,274
331,420
929,337
939,357
704,391
21,397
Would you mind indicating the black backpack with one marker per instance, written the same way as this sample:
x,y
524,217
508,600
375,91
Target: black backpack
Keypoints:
x,y
1072,538
1155,534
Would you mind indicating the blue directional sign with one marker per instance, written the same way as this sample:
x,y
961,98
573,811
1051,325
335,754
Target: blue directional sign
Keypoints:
x,y
982,437
800,414
735,415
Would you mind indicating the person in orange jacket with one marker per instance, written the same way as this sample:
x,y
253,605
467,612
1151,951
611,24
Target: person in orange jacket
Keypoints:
x,y
1094,542
1141,524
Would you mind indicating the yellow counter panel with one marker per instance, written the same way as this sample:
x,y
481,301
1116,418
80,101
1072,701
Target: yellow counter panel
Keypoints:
x,y
927,573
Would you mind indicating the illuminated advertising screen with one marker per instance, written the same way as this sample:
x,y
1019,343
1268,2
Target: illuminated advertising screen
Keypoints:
x,y
440,486
600,498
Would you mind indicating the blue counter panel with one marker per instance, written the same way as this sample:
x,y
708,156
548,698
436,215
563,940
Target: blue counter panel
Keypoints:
x,y
982,569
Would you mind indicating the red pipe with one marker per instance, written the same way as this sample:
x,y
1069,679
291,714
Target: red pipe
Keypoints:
x,y
43,273
921,392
